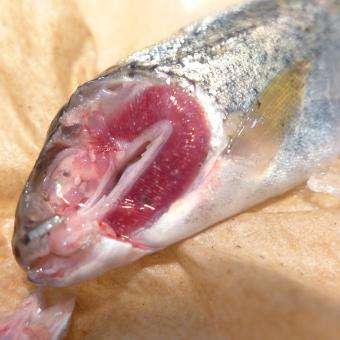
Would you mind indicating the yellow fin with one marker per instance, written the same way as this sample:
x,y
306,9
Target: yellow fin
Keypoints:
x,y
261,130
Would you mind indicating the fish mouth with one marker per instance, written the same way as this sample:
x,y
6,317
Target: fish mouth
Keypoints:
x,y
124,156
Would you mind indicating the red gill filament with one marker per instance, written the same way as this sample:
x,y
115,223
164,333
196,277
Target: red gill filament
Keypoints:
x,y
132,162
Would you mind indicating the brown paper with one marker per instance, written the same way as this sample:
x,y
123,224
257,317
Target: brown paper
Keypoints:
x,y
272,272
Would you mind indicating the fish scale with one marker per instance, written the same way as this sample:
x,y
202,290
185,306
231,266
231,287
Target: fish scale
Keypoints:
x,y
231,56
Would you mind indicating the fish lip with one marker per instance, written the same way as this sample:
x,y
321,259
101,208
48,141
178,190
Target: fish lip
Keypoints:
x,y
51,276
43,280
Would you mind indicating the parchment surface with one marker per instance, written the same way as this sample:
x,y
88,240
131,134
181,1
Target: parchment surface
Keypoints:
x,y
272,272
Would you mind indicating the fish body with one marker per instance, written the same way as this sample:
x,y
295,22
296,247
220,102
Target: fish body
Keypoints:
x,y
231,111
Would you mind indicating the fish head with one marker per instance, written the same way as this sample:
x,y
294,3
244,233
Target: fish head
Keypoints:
x,y
116,159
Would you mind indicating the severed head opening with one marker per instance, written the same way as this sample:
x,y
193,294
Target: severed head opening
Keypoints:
x,y
116,159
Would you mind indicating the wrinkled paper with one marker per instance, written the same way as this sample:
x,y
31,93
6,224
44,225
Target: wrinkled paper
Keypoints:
x,y
272,272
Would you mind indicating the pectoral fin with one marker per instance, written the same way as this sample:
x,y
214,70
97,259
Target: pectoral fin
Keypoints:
x,y
260,132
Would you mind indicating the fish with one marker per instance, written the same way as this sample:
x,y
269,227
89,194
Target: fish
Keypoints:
x,y
232,110
34,320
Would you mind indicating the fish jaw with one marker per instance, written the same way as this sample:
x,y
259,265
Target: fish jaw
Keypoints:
x,y
120,156
105,254
35,321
